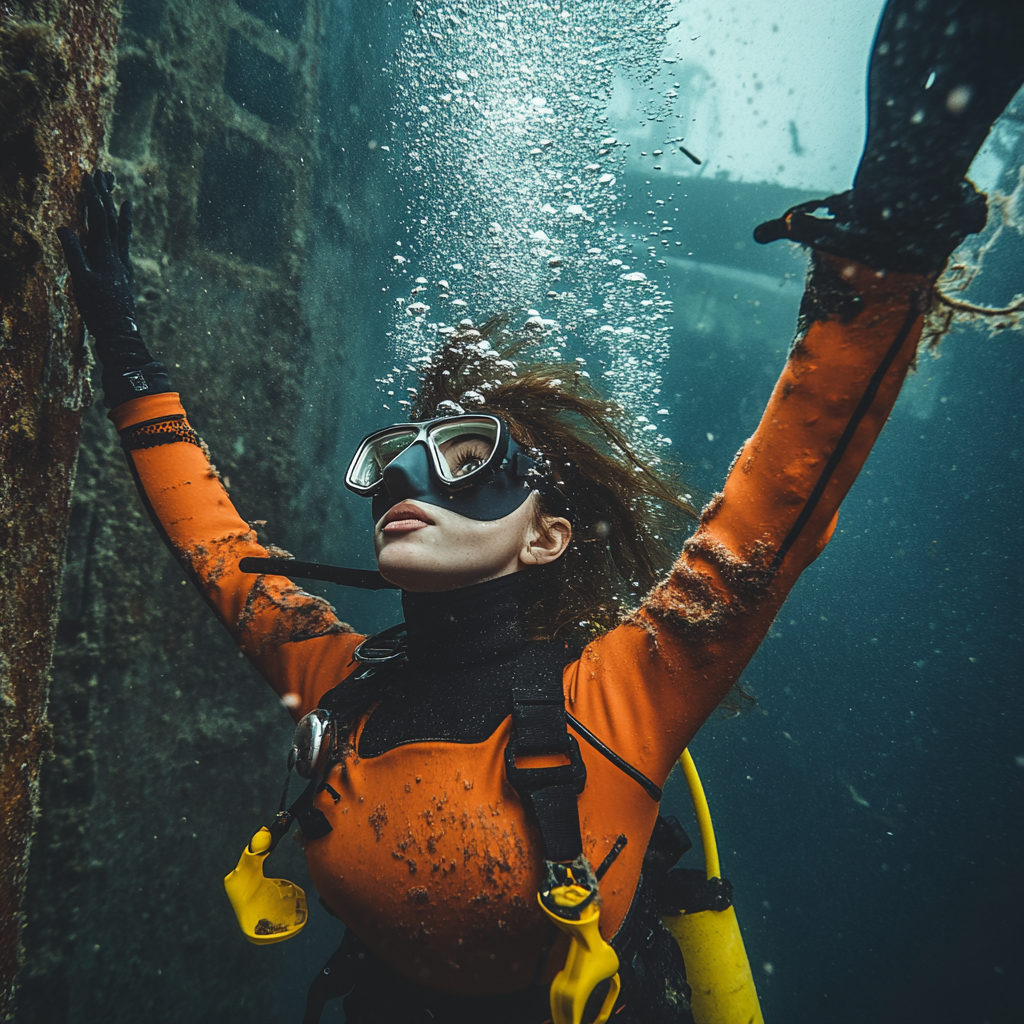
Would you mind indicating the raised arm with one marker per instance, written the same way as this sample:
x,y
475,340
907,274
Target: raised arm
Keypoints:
x,y
940,75
190,508
858,336
647,687
292,637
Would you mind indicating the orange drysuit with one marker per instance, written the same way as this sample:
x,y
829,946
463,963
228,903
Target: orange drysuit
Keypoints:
x,y
432,860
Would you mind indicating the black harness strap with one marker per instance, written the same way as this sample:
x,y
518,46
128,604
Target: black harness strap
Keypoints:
x,y
336,978
539,728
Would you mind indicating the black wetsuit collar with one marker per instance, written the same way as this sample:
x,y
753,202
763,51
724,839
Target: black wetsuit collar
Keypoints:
x,y
471,625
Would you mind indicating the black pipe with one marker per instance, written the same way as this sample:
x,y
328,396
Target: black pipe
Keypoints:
x,y
363,579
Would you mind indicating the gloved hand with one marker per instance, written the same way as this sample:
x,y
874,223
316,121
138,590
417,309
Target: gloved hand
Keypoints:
x,y
103,284
940,75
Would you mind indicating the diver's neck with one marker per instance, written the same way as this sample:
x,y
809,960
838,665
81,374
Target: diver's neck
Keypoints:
x,y
469,625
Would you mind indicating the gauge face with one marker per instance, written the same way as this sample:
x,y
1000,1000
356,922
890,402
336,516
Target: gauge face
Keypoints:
x,y
309,749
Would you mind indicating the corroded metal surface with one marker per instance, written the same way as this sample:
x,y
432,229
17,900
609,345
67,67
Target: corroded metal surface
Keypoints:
x,y
168,748
55,91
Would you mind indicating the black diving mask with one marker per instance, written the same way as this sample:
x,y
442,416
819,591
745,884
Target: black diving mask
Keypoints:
x,y
467,463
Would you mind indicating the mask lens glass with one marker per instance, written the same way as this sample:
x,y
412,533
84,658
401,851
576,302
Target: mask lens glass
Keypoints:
x,y
465,447
369,463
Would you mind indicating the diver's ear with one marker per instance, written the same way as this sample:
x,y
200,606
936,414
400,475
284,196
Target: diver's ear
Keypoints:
x,y
546,540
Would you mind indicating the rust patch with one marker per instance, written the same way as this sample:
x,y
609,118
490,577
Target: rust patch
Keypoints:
x,y
692,603
827,294
56,91
275,552
287,614
378,818
276,611
417,894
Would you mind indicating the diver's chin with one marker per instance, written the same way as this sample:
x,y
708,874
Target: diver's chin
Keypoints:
x,y
409,567
404,566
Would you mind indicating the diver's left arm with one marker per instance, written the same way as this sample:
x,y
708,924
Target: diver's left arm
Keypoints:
x,y
662,674
876,256
858,335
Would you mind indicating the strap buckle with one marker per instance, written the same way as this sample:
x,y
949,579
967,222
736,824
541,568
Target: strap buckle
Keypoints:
x,y
526,781
388,645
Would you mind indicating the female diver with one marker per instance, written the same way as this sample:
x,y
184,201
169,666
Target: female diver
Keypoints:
x,y
512,737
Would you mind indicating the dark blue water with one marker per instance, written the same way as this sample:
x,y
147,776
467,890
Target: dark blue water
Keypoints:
x,y
869,807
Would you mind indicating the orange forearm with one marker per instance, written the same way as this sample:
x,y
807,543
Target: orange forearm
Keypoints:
x,y
826,411
780,501
193,512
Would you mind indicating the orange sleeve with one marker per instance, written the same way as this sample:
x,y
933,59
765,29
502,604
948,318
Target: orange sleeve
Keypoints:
x,y
681,652
292,637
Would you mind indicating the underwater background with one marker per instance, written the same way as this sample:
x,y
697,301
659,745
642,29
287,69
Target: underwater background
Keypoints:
x,y
324,185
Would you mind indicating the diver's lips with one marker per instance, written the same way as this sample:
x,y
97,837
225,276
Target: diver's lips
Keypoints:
x,y
405,517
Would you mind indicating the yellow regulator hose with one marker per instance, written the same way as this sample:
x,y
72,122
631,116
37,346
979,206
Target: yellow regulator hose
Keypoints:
x,y
717,967
703,812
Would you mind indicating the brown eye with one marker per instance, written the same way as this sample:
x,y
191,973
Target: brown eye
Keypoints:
x,y
467,464
465,456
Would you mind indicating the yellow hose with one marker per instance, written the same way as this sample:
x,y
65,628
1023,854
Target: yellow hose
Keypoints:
x,y
700,806
717,967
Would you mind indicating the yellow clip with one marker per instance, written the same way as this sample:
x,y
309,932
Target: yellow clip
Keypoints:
x,y
268,909
590,961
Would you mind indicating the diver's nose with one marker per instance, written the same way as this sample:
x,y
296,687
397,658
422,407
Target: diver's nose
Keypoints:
x,y
408,475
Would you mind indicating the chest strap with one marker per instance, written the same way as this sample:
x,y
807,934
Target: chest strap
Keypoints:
x,y
540,729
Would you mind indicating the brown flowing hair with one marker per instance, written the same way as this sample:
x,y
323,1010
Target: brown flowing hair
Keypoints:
x,y
627,517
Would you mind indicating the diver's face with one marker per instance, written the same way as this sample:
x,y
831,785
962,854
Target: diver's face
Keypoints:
x,y
423,548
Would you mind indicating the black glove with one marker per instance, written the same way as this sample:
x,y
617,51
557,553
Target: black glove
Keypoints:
x,y
103,284
941,73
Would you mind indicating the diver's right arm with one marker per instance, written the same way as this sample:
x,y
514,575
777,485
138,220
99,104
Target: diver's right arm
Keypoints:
x,y
184,496
292,637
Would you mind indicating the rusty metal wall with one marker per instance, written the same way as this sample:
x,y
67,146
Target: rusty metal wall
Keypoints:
x,y
166,747
241,132
56,83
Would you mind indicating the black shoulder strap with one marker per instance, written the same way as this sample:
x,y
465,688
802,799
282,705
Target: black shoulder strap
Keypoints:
x,y
539,728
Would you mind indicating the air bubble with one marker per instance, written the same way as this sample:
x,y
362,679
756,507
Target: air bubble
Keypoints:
x,y
512,193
